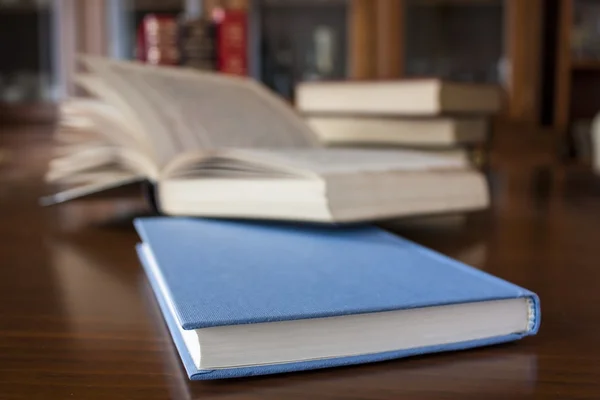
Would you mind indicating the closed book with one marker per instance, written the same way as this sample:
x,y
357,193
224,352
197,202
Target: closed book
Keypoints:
x,y
243,299
410,97
414,132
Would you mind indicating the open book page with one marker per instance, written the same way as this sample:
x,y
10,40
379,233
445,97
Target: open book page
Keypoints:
x,y
108,125
127,115
309,162
343,160
83,170
100,158
87,178
238,164
66,136
167,110
221,111
86,159
155,125
103,119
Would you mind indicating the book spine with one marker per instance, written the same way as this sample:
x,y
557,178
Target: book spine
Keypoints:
x,y
197,47
157,40
232,35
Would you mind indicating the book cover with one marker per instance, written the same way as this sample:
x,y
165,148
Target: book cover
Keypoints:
x,y
226,272
232,37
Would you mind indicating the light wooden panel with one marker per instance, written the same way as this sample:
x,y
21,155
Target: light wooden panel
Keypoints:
x,y
361,39
390,39
81,29
67,49
237,4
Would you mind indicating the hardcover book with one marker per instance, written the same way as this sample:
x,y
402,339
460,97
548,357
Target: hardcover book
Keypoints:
x,y
413,132
408,97
232,41
243,299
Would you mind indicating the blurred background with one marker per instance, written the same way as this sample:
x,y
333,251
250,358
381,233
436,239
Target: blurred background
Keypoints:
x,y
545,54
540,231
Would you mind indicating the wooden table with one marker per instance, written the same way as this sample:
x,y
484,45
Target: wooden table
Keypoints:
x,y
78,319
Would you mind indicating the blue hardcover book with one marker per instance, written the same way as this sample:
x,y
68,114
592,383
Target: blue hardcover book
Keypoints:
x,y
244,298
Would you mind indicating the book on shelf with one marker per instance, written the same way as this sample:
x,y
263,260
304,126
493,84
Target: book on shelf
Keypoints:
x,y
406,97
197,43
157,40
246,299
225,146
232,41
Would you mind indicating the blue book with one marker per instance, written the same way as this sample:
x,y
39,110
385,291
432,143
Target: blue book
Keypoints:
x,y
244,298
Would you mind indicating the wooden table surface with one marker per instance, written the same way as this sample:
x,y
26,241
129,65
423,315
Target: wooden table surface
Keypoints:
x,y
78,319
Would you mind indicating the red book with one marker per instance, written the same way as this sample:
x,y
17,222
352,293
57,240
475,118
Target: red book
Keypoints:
x,y
232,35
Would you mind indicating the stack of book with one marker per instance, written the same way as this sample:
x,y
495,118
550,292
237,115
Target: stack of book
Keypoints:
x,y
416,113
225,146
244,298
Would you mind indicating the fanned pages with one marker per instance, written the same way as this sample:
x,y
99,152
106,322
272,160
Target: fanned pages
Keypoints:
x,y
216,145
213,110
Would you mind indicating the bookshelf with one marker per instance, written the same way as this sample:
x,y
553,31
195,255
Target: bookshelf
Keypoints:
x,y
489,41
578,63
293,41
457,41
493,41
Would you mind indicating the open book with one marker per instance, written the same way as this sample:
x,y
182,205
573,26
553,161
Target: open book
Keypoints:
x,y
216,145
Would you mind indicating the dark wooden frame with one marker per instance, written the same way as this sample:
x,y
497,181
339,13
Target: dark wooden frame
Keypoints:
x,y
376,28
564,65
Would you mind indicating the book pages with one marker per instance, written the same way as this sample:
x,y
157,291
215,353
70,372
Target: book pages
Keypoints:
x,y
198,110
339,160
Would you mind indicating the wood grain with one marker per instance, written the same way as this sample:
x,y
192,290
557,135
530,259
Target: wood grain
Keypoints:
x,y
523,37
390,40
562,104
78,319
362,39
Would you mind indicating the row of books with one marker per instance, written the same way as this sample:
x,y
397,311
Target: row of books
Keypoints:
x,y
245,298
217,43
